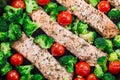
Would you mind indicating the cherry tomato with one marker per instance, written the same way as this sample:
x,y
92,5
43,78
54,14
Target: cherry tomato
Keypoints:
x,y
104,6
92,77
13,75
57,50
18,4
16,59
64,18
43,2
114,67
82,69
79,79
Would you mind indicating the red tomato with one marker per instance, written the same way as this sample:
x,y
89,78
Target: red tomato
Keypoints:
x,y
57,50
79,79
43,2
18,4
13,75
114,67
92,77
104,6
16,59
82,69
64,18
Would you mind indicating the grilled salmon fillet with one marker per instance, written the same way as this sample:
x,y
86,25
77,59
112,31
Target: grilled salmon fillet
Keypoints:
x,y
42,59
96,19
76,45
115,3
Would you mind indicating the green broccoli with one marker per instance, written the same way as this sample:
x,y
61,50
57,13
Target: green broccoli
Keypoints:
x,y
109,46
102,61
113,56
12,14
29,26
5,48
44,41
100,43
50,6
82,28
118,53
89,37
93,2
4,36
68,61
108,76
114,14
31,5
25,70
14,32
5,69
116,41
98,71
2,59
37,77
24,77
118,25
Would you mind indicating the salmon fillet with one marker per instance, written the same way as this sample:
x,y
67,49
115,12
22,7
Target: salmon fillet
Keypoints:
x,y
96,19
42,59
76,45
115,3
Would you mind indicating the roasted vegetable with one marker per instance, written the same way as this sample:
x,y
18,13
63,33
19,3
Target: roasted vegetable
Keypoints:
x,y
113,56
102,61
31,5
37,77
98,71
44,41
2,59
116,41
5,69
3,36
108,76
6,49
68,61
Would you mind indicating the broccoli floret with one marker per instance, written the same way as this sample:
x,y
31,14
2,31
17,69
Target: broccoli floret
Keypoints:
x,y
2,59
15,32
108,76
113,56
24,77
29,26
116,41
5,69
3,36
93,2
118,25
44,41
31,5
82,28
102,61
100,43
109,46
89,37
50,6
118,53
5,48
68,61
98,71
37,77
12,14
25,70
114,14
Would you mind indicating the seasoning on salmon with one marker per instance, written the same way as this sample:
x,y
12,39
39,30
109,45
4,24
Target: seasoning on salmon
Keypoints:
x,y
96,19
115,3
76,45
42,59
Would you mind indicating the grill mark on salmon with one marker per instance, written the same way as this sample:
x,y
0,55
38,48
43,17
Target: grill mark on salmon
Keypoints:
x,y
76,45
96,19
42,59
